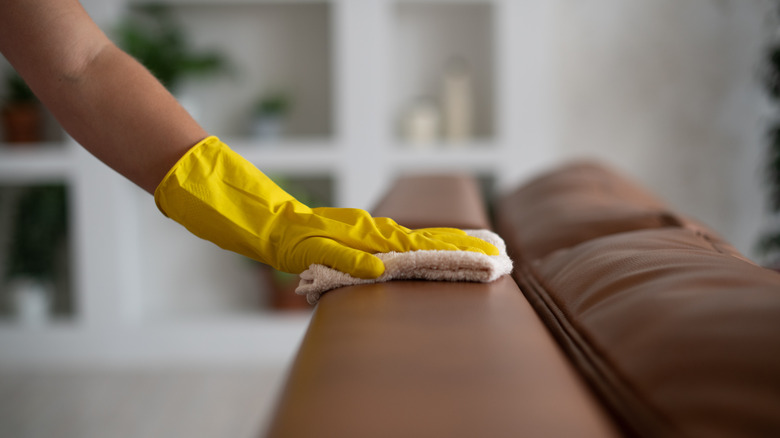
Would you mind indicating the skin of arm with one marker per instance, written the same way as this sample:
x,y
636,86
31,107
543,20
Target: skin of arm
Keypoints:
x,y
101,96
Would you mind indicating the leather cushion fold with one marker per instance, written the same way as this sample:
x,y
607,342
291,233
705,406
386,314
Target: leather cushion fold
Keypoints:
x,y
678,337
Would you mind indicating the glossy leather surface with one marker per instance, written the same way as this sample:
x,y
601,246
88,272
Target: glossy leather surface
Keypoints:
x,y
434,359
573,204
421,201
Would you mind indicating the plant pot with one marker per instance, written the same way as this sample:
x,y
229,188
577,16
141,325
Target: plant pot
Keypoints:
x,y
22,123
281,288
268,127
30,300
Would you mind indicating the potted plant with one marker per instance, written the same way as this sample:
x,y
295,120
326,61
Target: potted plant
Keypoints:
x,y
22,118
270,113
152,36
39,229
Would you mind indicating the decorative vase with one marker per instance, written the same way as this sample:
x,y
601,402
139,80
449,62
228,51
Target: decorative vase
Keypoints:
x,y
268,127
421,125
30,300
457,101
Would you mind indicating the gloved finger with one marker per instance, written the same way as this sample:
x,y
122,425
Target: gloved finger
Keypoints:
x,y
358,230
440,230
350,216
399,240
355,216
462,241
328,252
387,225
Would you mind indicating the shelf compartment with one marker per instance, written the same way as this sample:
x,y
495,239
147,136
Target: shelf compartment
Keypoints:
x,y
434,40
35,246
270,47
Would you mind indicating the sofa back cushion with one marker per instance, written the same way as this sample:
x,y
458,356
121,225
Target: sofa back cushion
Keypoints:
x,y
676,330
573,204
678,337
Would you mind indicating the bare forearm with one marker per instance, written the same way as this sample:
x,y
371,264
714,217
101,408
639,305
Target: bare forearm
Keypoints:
x,y
101,96
118,111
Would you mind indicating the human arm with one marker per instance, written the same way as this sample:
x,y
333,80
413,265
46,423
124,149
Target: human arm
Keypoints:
x,y
103,98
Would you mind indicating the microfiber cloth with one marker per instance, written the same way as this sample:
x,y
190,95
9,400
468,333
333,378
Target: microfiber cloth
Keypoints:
x,y
416,265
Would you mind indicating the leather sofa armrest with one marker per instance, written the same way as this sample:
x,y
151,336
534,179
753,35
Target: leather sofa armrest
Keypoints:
x,y
423,201
433,359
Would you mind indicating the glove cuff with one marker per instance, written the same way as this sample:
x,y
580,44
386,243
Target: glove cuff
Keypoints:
x,y
221,197
209,141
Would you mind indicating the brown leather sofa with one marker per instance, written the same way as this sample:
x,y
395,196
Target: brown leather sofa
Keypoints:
x,y
624,319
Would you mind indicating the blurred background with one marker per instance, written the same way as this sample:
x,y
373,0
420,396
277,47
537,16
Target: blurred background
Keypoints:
x,y
334,100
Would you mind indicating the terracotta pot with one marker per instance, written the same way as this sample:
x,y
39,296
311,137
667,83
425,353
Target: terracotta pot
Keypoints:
x,y
22,123
281,288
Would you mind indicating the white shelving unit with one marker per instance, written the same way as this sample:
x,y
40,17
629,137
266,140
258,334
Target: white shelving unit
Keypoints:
x,y
145,290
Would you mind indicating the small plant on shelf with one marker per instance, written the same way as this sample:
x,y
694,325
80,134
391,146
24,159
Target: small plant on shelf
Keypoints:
x,y
152,36
22,118
39,229
270,113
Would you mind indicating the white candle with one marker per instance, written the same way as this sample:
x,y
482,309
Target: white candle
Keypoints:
x,y
457,101
421,125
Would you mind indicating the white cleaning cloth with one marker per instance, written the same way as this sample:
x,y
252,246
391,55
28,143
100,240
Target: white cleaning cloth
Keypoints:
x,y
416,265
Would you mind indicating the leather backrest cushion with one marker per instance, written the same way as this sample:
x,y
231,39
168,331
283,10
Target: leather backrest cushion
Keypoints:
x,y
590,177
572,204
678,338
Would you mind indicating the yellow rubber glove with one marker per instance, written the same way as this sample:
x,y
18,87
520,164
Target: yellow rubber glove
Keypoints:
x,y
221,197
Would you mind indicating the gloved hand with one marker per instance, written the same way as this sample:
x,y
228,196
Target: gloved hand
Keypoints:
x,y
221,197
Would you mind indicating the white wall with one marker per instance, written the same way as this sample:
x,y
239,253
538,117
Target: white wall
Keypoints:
x,y
667,90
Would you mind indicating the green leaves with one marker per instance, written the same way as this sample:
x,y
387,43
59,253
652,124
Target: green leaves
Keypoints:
x,y
17,90
40,225
156,40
